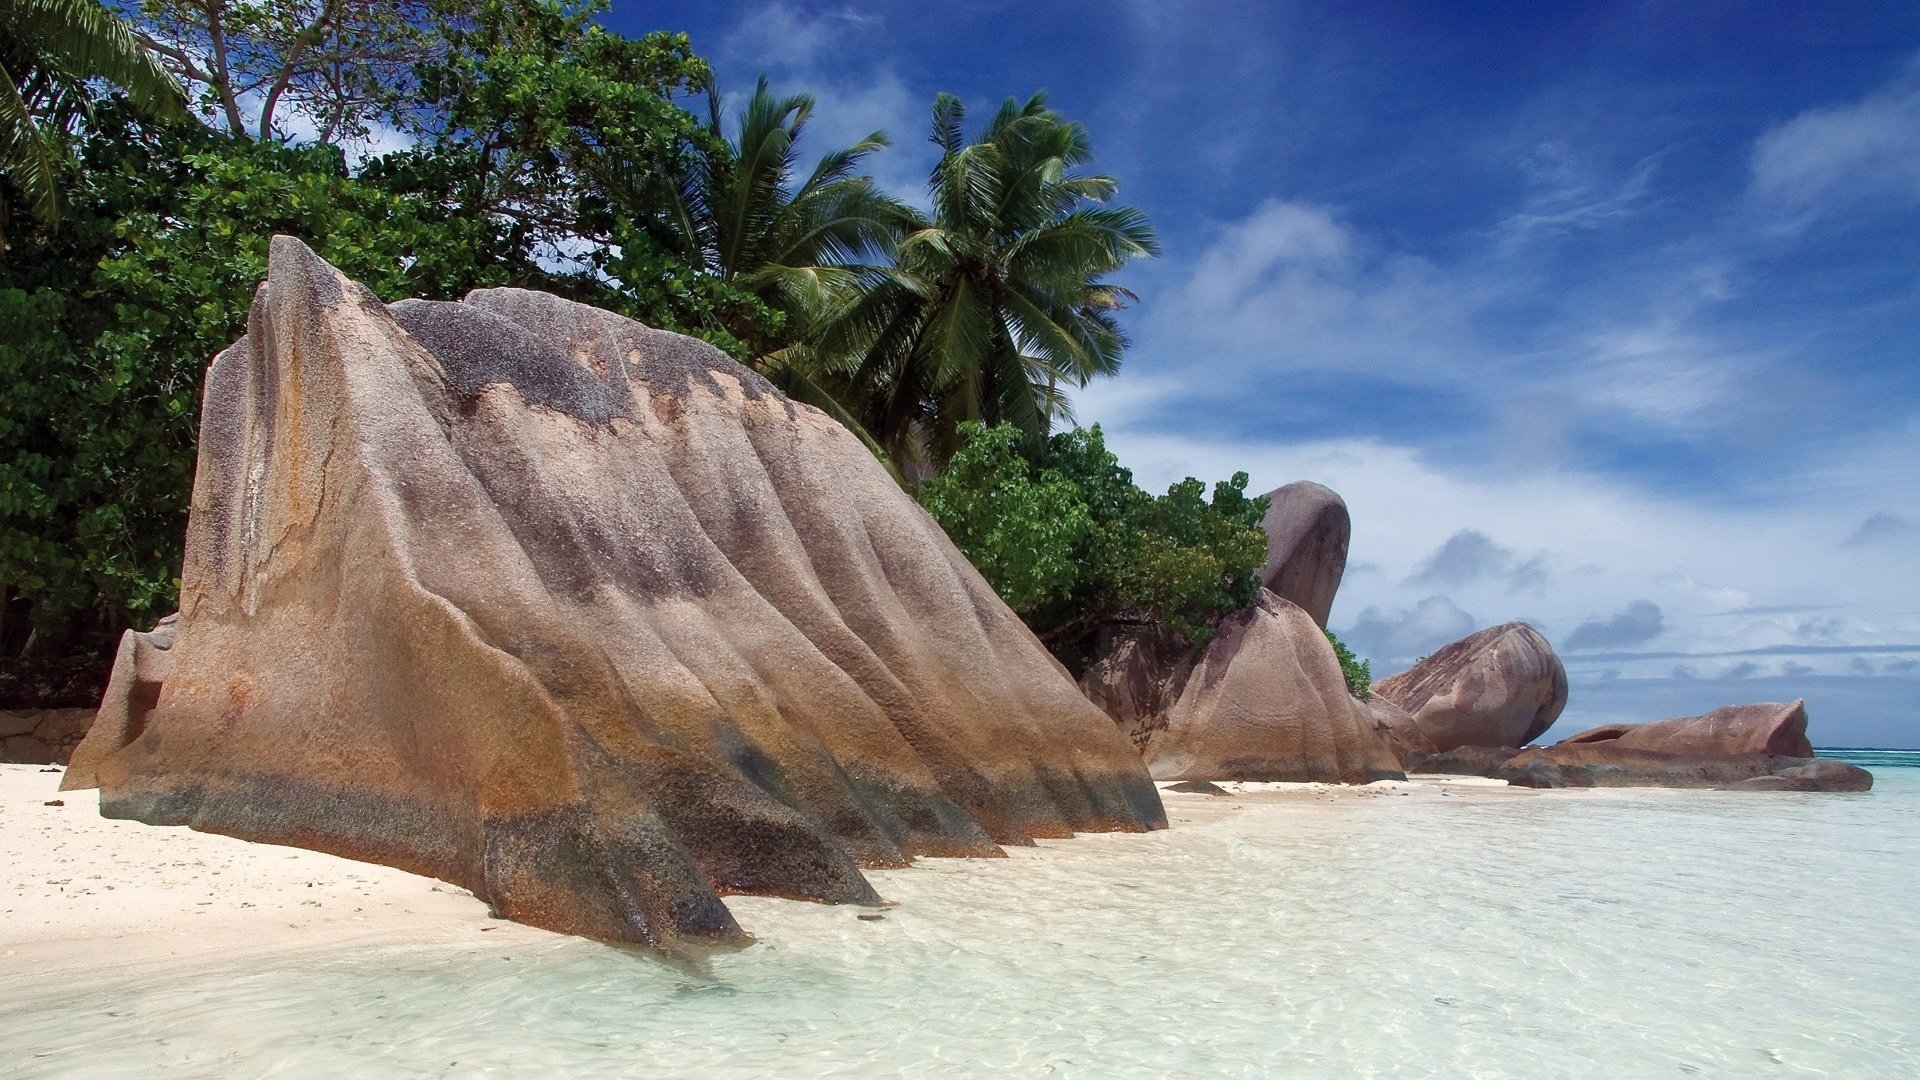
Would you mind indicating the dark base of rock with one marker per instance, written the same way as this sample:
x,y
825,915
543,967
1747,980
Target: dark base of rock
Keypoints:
x,y
1463,761
1745,772
1200,787
1582,767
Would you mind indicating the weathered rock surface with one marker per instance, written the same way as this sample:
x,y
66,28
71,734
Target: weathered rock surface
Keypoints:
x,y
41,736
1393,724
142,665
584,617
1264,701
1502,686
1773,728
1308,530
1463,761
1745,747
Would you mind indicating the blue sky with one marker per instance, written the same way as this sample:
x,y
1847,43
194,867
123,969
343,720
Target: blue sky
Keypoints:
x,y
1602,316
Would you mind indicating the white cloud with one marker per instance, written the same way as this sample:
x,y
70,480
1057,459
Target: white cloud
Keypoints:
x,y
1635,624
1471,556
1831,157
801,51
1725,577
1292,288
1403,636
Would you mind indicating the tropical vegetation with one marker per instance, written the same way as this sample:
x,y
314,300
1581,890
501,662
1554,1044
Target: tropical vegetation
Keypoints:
x,y
51,52
428,147
1076,547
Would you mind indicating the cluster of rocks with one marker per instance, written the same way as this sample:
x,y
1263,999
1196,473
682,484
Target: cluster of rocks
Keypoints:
x,y
589,619
1266,700
582,616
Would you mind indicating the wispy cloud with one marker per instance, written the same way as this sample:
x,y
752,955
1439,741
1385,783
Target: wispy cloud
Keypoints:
x,y
1834,157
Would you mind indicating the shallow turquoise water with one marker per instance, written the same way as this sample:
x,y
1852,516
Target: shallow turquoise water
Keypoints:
x,y
1603,934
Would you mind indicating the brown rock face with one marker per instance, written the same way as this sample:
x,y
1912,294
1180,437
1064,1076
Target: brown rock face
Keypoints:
x,y
140,668
1503,686
41,736
1747,747
1307,534
582,616
1732,729
1264,701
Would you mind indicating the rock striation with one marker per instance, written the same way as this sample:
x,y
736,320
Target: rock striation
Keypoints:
x,y
1308,530
1502,686
1265,700
582,616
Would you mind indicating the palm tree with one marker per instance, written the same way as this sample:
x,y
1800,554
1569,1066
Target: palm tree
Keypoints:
x,y
49,51
996,304
796,248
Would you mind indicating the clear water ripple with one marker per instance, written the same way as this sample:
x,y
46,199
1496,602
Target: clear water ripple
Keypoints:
x,y
1602,934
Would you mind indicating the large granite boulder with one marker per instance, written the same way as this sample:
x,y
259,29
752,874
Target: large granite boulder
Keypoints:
x,y
1307,534
1264,701
582,616
1745,747
1502,686
1773,728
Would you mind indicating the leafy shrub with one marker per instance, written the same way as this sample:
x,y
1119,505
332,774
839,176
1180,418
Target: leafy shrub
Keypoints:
x,y
1073,545
1358,672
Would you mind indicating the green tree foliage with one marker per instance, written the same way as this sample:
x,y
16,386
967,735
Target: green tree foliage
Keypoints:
x,y
268,69
1358,672
1026,528
797,245
997,304
529,98
121,306
1073,545
121,311
49,51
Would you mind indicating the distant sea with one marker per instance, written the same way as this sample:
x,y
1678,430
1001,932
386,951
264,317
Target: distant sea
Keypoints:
x,y
1620,933
1871,759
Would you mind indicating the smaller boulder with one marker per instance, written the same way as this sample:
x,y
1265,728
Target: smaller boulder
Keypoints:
x,y
1502,686
1136,677
143,663
1199,787
1267,701
1778,729
1307,529
1819,774
1760,747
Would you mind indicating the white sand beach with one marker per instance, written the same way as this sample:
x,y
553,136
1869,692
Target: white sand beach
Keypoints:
x,y
79,891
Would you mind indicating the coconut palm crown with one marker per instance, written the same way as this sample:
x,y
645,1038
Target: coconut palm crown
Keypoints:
x,y
49,51
997,303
